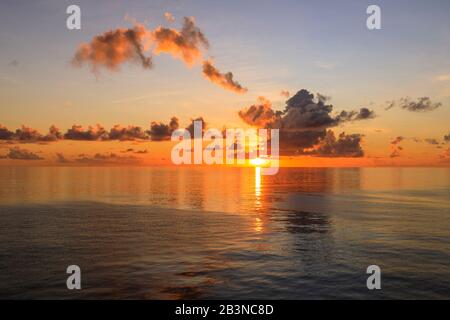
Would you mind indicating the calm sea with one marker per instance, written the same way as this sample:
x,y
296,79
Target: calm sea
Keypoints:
x,y
228,233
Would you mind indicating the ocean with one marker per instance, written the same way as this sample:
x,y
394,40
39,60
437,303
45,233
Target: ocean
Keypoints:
x,y
224,233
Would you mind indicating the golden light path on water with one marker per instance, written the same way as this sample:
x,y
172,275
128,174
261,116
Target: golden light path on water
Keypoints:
x,y
258,223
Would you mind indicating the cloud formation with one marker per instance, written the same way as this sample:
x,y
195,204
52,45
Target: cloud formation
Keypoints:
x,y
395,147
169,17
160,131
186,44
5,134
113,48
304,121
362,114
348,146
92,133
106,159
17,153
224,80
447,138
131,132
259,114
422,104
116,47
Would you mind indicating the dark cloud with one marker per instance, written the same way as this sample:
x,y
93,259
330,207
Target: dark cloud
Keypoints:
x,y
362,114
27,134
5,134
304,121
447,138
348,146
93,133
160,131
131,132
224,80
423,104
21,154
190,128
113,48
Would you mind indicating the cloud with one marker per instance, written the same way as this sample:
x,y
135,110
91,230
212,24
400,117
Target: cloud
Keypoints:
x,y
131,132
362,114
186,44
190,128
443,77
169,17
5,134
285,94
423,104
54,134
224,80
397,140
107,158
113,48
395,147
91,134
160,131
447,138
21,154
260,114
116,47
304,121
432,141
348,146
27,134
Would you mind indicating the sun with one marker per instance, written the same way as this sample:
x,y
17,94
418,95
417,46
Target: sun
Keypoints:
x,y
258,162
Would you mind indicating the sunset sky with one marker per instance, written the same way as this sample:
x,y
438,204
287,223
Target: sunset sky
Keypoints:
x,y
269,46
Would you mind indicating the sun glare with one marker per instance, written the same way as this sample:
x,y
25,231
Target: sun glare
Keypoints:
x,y
258,162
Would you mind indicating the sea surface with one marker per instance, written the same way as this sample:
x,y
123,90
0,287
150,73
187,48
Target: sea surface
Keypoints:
x,y
224,233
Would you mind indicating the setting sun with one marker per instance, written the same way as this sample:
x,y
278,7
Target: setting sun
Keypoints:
x,y
258,162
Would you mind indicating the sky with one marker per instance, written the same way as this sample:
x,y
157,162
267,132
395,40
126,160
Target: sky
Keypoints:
x,y
269,46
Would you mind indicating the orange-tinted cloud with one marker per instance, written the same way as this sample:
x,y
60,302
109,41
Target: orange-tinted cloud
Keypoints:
x,y
285,94
259,114
113,48
225,80
186,44
169,17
